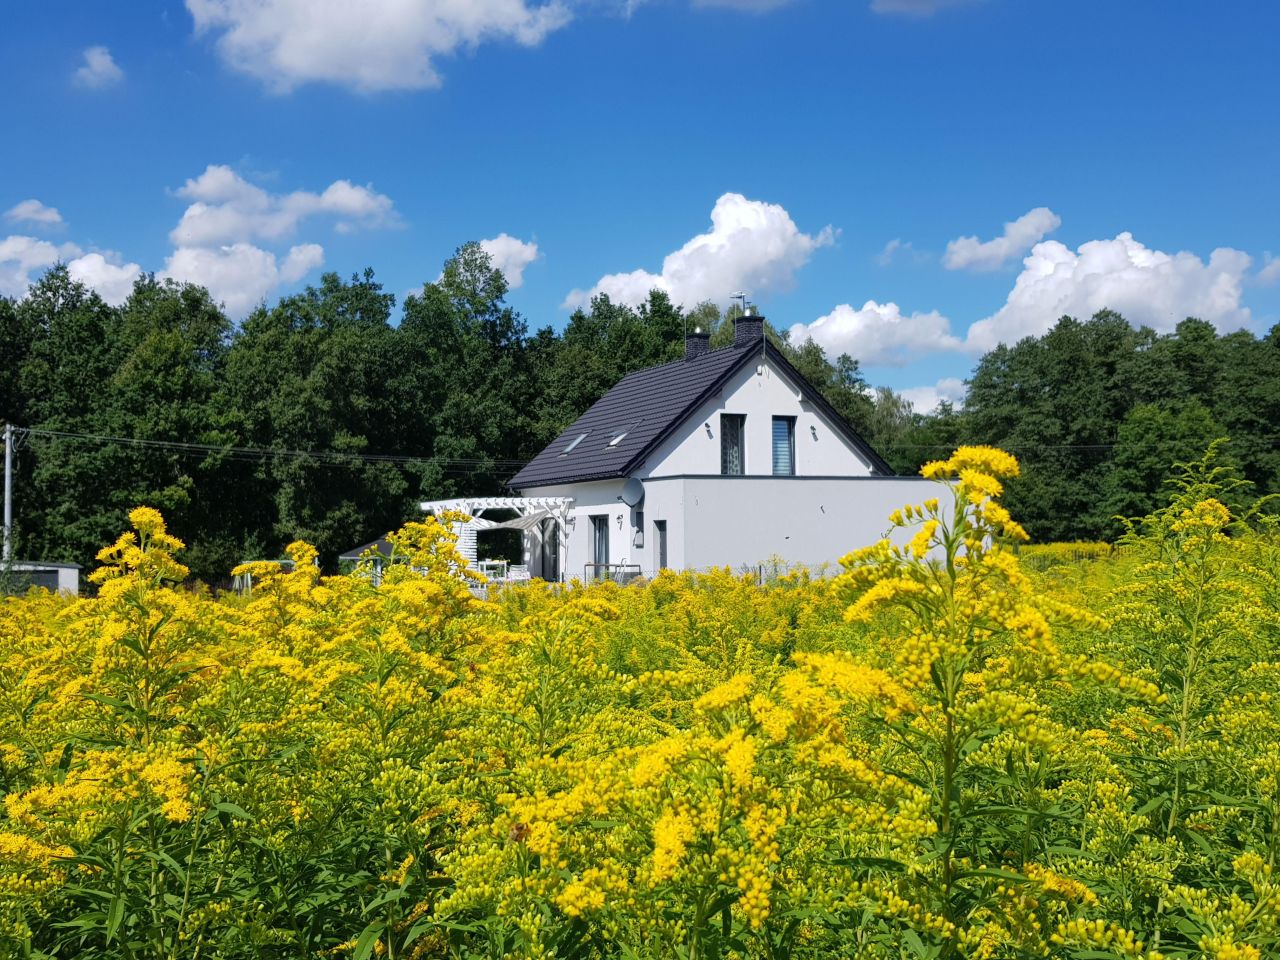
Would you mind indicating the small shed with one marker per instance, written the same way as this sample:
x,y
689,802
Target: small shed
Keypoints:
x,y
379,551
56,577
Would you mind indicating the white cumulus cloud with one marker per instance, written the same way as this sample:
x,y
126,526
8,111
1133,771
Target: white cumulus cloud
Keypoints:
x,y
99,69
21,257
112,279
240,275
223,240
1149,287
970,253
229,209
926,399
510,255
752,245
1270,272
371,45
33,211
234,239
878,333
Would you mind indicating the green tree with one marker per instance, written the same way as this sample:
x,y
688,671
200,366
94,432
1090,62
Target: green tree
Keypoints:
x,y
840,383
311,374
598,348
1056,402
468,347
64,483
1152,438
17,337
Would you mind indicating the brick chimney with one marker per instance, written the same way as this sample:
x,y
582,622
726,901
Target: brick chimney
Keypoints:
x,y
696,344
748,329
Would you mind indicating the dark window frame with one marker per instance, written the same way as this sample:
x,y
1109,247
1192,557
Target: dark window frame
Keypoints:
x,y
599,533
789,466
733,426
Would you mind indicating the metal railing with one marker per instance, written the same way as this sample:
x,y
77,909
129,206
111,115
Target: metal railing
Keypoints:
x,y
617,572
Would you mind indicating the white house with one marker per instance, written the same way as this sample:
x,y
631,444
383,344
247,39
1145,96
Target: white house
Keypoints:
x,y
727,457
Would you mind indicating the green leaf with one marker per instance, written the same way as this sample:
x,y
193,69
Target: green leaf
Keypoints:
x,y
115,915
368,938
388,896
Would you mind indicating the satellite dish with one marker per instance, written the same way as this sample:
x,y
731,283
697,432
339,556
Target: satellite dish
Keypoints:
x,y
632,492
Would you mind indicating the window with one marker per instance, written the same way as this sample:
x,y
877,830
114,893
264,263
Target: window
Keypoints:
x,y
622,434
551,550
637,539
784,446
600,540
660,543
733,458
573,443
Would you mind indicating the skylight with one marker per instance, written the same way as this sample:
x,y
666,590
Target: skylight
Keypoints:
x,y
573,443
621,435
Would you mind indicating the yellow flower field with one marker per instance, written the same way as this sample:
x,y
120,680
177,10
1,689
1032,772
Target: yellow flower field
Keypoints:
x,y
938,753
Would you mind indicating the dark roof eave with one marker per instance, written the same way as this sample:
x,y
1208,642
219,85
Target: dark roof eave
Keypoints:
x,y
576,478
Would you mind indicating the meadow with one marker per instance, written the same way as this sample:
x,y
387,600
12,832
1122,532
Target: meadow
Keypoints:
x,y
945,751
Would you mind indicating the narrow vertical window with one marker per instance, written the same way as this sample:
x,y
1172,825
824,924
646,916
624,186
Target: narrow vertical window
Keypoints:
x,y
784,446
551,550
660,542
600,541
732,455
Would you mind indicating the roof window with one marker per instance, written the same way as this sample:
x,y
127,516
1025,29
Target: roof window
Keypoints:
x,y
573,443
621,435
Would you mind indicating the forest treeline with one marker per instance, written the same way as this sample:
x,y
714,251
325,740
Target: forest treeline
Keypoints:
x,y
366,412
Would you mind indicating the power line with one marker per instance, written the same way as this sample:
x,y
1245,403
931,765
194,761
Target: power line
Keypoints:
x,y
1008,446
262,454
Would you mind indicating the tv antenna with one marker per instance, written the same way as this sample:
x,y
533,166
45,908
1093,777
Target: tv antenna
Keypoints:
x,y
742,300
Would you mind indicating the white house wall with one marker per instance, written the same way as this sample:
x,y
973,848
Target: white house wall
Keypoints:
x,y
737,522
589,499
760,391
745,521
66,575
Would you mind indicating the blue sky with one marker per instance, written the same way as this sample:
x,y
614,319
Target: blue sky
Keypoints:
x,y
862,158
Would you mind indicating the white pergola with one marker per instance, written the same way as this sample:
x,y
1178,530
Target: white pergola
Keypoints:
x,y
529,512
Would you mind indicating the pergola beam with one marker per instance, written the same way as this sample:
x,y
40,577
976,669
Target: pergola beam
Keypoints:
x,y
473,505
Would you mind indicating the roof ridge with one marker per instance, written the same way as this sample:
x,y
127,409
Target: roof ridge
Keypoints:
x,y
716,352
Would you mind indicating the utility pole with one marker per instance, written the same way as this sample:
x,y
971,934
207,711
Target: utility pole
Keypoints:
x,y
8,495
